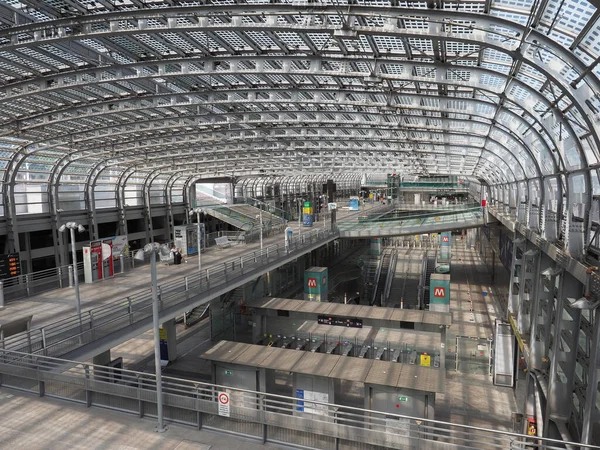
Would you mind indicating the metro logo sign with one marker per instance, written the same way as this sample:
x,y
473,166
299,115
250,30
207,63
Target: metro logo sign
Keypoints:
x,y
439,292
445,239
311,283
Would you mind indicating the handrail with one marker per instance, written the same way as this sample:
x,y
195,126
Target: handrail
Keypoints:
x,y
334,420
376,282
70,333
422,216
390,276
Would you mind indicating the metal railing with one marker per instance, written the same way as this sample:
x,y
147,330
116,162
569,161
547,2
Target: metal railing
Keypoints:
x,y
71,333
257,415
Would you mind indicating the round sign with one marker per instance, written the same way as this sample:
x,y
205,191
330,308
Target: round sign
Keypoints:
x,y
224,399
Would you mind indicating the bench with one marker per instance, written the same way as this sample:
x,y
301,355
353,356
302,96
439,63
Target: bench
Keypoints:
x,y
222,242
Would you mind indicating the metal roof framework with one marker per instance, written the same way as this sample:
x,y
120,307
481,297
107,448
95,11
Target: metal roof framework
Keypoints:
x,y
193,89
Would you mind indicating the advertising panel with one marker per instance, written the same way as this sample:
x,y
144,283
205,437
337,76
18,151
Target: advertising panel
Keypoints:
x,y
307,210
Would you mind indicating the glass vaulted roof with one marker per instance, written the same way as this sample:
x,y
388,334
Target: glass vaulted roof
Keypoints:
x,y
502,90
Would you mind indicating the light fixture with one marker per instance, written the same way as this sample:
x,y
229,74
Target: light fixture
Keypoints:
x,y
72,226
153,249
198,211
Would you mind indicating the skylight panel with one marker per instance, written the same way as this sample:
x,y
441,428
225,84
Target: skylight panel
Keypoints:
x,y
521,19
389,43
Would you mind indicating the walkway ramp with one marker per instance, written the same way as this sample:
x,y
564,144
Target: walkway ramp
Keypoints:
x,y
431,222
244,217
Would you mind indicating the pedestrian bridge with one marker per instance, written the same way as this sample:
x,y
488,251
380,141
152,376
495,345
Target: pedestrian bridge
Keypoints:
x,y
399,222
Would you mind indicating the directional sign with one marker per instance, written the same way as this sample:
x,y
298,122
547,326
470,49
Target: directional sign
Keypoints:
x,y
224,404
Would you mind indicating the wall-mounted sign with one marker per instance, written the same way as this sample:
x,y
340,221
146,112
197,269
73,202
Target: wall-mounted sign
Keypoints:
x,y
10,265
348,322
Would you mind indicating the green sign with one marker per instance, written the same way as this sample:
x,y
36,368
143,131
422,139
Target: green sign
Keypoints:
x,y
229,372
402,399
307,204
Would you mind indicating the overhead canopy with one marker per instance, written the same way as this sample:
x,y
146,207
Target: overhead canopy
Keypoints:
x,y
497,90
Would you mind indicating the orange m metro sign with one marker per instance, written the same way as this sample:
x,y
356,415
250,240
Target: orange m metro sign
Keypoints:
x,y
311,283
439,292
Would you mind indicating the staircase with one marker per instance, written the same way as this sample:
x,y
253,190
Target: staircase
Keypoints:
x,y
196,315
252,212
232,217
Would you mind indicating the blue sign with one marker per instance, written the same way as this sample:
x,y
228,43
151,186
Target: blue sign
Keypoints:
x,y
300,403
308,220
354,203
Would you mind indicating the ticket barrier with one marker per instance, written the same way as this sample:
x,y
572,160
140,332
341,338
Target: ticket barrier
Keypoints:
x,y
362,353
378,352
346,348
331,346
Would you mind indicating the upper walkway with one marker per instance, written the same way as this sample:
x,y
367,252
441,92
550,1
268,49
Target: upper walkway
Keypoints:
x,y
397,223
118,317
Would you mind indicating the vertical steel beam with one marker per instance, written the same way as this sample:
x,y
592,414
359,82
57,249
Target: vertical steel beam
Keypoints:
x,y
591,415
563,352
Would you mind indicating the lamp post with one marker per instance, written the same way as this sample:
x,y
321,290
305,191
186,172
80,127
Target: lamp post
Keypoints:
x,y
153,249
72,226
198,211
259,217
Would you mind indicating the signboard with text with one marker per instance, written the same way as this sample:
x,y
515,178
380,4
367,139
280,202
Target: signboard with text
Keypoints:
x,y
10,266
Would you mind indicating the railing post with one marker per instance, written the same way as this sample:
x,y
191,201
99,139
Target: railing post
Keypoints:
x,y
242,263
27,280
261,402
130,310
86,386
1,294
187,287
198,412
44,341
92,324
139,393
70,276
60,283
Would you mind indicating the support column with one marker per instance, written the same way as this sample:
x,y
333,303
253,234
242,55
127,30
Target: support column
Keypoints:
x,y
515,275
101,359
169,337
591,415
563,352
529,271
542,313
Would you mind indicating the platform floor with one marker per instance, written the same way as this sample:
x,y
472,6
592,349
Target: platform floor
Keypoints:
x,y
51,306
33,423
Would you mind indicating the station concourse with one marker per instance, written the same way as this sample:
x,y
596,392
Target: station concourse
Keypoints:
x,y
435,157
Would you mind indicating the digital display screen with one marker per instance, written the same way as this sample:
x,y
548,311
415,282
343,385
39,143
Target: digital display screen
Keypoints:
x,y
349,322
10,265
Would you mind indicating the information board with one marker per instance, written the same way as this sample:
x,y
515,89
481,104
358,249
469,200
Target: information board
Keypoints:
x,y
10,266
350,322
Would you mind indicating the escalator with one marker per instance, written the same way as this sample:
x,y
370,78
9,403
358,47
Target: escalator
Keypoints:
x,y
382,277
